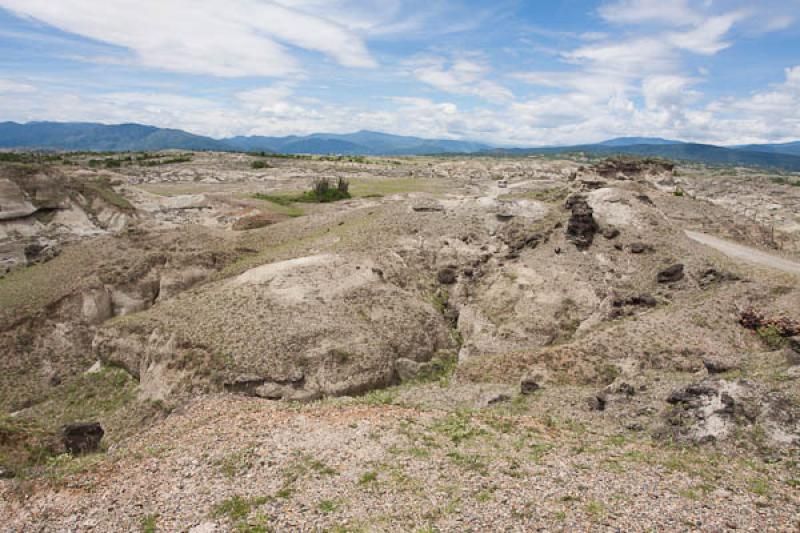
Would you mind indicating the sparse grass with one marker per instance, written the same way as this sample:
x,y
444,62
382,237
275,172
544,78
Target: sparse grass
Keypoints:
x,y
375,187
772,337
328,506
759,486
148,523
458,427
237,507
596,510
103,189
551,195
62,467
469,461
368,477
282,205
236,463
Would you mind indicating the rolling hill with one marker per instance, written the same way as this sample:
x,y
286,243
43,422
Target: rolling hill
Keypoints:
x,y
137,137
792,148
85,136
359,143
697,153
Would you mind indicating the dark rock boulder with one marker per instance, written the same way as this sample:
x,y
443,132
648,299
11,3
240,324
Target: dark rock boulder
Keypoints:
x,y
582,226
529,385
640,248
495,399
82,438
712,276
794,344
447,276
39,253
716,409
692,395
631,167
597,402
718,365
6,473
671,274
518,236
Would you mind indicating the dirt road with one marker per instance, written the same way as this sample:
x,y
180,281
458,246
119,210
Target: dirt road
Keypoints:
x,y
746,253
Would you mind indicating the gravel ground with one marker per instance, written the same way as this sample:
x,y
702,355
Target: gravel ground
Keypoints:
x,y
236,464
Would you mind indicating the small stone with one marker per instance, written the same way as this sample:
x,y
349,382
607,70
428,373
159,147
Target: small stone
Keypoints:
x,y
205,527
640,248
716,365
792,356
529,385
494,399
794,344
611,233
597,402
407,369
446,276
671,274
6,473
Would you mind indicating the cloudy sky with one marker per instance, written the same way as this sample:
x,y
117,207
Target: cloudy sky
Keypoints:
x,y
506,71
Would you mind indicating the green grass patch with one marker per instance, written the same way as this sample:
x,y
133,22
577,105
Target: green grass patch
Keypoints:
x,y
237,507
103,189
458,427
552,195
368,477
328,506
148,523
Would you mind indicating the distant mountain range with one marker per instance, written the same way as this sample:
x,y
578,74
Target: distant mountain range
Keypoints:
x,y
360,143
766,156
100,137
136,137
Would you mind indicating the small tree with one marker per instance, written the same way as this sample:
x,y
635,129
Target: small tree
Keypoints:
x,y
321,186
343,186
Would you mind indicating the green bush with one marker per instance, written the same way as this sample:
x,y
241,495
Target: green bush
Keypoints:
x,y
259,164
323,191
772,337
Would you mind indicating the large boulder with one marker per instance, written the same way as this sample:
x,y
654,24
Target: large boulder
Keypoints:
x,y
14,203
82,438
323,325
671,274
713,409
582,226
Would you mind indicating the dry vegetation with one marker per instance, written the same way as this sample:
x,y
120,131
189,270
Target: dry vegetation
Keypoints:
x,y
357,344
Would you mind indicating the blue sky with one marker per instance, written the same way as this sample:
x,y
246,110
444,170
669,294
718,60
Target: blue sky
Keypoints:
x,y
507,72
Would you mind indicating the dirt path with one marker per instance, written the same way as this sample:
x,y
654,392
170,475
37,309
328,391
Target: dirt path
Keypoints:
x,y
746,253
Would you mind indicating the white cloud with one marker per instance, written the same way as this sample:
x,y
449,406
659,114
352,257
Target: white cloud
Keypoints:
x,y
669,92
670,12
706,38
11,86
219,37
460,76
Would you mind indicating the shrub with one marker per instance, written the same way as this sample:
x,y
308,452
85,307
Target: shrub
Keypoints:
x,y
259,164
322,191
772,337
